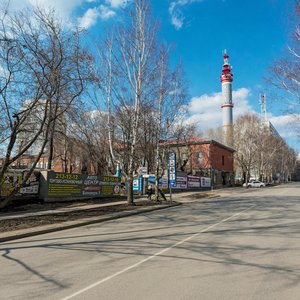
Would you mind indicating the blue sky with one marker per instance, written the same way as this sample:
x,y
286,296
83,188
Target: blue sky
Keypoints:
x,y
255,33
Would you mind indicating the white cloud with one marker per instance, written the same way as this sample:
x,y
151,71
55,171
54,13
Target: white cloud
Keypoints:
x,y
89,18
176,13
177,21
117,3
205,111
241,102
176,16
288,126
92,15
65,9
105,12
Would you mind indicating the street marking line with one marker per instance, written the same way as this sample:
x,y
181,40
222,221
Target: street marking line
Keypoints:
x,y
153,256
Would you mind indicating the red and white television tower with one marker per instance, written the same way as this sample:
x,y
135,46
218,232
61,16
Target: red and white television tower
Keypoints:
x,y
227,105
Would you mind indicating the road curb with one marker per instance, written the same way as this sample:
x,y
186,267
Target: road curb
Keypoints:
x,y
83,222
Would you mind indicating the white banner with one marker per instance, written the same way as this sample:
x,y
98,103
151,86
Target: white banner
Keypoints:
x,y
181,182
205,181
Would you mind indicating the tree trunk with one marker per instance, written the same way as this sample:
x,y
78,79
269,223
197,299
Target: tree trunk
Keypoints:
x,y
130,199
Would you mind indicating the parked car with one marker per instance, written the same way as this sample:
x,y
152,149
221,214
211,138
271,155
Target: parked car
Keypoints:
x,y
254,183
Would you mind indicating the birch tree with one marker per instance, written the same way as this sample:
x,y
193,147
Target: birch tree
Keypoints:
x,y
171,99
247,129
259,152
133,59
142,94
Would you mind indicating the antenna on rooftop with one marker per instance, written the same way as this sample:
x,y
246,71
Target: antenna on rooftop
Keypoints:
x,y
263,107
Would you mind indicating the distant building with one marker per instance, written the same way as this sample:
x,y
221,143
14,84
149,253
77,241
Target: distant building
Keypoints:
x,y
202,157
266,124
68,157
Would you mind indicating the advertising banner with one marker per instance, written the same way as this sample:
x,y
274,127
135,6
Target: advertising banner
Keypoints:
x,y
137,184
79,185
163,182
10,181
181,182
14,178
205,181
193,182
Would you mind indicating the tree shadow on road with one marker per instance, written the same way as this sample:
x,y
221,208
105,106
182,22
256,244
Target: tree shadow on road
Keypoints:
x,y
225,244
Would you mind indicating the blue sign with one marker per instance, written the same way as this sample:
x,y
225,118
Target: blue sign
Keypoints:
x,y
137,184
172,169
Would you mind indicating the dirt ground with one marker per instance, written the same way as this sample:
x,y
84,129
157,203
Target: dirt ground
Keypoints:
x,y
33,221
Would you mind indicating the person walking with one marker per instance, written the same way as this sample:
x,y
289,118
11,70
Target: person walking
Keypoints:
x,y
162,194
149,192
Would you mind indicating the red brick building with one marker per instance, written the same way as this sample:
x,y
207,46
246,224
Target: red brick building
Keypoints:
x,y
202,157
70,156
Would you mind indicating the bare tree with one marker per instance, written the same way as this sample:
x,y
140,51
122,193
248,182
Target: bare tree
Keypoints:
x,y
49,76
142,95
56,61
260,152
171,98
215,134
15,110
89,130
247,130
129,68
106,75
285,74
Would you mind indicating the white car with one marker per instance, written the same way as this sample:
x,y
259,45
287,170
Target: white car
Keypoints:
x,y
254,183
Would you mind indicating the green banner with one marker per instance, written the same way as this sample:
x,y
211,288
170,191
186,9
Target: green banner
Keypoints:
x,y
78,185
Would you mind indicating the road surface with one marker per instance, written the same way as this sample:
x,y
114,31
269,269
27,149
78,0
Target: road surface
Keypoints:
x,y
245,245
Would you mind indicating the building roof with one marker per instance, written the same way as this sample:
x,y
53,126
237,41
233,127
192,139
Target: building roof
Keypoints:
x,y
194,141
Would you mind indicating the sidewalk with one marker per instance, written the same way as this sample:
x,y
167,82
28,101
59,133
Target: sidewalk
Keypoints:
x,y
19,215
177,199
33,231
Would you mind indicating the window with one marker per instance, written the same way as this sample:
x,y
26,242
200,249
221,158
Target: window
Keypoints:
x,y
199,157
223,160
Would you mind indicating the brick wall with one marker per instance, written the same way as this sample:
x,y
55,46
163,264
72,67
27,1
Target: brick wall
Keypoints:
x,y
222,159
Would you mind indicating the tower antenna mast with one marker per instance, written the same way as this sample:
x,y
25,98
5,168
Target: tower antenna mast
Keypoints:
x,y
263,107
226,79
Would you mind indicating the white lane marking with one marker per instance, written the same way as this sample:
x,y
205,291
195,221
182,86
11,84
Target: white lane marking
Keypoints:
x,y
153,256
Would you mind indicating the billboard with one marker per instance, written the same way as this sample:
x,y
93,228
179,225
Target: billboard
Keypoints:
x,y
205,181
163,181
79,185
193,182
137,184
14,178
181,182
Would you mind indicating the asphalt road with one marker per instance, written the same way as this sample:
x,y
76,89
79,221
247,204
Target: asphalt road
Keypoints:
x,y
242,246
